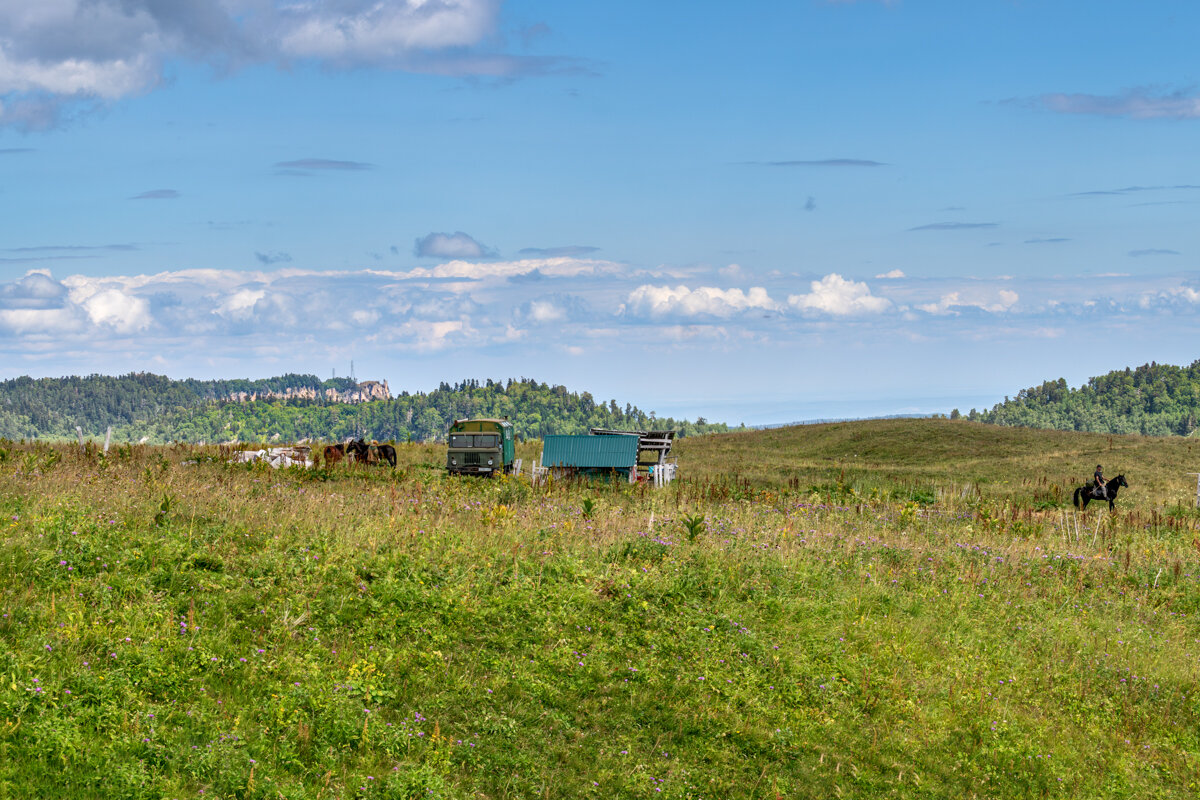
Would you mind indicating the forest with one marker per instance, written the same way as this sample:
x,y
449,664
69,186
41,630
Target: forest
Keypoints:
x,y
157,409
1153,400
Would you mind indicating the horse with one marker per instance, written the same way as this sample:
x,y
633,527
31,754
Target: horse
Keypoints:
x,y
1088,492
387,453
360,450
334,453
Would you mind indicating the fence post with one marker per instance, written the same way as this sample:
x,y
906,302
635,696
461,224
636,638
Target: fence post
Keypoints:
x,y
79,434
107,438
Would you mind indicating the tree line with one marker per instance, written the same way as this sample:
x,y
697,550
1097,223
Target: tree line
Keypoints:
x,y
1153,400
155,408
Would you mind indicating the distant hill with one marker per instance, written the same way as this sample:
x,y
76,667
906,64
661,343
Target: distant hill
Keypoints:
x,y
1153,399
291,407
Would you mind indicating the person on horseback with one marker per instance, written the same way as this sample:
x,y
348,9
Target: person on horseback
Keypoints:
x,y
1101,490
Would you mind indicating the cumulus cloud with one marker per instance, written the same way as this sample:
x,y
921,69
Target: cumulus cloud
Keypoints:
x,y
1174,296
545,311
113,308
662,301
59,52
37,290
957,302
838,296
367,31
451,245
1136,103
891,274
552,309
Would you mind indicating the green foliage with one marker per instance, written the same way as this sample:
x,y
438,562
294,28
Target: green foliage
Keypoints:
x,y
587,507
693,526
164,510
1153,400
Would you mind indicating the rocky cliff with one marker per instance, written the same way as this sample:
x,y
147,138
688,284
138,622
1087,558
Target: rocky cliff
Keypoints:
x,y
362,393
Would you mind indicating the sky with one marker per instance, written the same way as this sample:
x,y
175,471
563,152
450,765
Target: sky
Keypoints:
x,y
756,212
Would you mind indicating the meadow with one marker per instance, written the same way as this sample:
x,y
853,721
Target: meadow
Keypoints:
x,y
895,608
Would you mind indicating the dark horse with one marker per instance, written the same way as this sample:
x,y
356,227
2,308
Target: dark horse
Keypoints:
x,y
371,453
1088,492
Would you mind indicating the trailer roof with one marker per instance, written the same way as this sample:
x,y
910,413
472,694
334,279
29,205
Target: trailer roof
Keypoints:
x,y
590,452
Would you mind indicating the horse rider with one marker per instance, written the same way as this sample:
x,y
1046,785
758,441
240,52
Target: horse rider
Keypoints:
x,y
1101,489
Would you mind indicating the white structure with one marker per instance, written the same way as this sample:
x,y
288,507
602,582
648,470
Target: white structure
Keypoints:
x,y
276,456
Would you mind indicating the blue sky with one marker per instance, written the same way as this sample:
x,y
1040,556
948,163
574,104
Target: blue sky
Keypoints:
x,y
754,212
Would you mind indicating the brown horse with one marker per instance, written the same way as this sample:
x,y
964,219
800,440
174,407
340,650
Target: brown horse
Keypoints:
x,y
334,453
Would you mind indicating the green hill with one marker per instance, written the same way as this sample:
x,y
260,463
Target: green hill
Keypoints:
x,y
1153,399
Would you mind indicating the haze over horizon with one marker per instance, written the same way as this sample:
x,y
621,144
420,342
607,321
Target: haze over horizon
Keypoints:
x,y
760,214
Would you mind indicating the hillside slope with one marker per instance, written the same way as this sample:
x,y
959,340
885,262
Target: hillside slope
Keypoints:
x,y
917,456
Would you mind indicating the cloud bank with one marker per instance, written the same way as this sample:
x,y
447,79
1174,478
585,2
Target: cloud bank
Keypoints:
x,y
58,57
573,305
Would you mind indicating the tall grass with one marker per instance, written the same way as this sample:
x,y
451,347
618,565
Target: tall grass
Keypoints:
x,y
881,609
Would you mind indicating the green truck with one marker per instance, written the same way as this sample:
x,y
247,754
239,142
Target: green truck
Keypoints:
x,y
480,447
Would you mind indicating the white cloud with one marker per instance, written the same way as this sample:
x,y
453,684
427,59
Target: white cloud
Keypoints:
x,y
426,336
660,301
370,31
34,321
546,311
891,275
36,290
118,310
732,272
955,302
1169,297
58,51
835,295
535,267
239,304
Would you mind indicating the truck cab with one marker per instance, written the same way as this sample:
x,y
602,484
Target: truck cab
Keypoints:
x,y
480,447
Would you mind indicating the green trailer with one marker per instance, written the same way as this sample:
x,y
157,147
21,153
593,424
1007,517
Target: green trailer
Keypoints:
x,y
480,447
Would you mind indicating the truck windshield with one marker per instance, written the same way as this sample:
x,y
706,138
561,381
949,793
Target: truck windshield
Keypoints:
x,y
472,440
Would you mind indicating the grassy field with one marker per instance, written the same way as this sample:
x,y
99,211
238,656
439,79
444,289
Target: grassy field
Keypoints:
x,y
900,608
